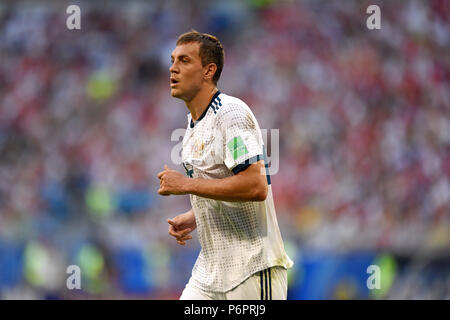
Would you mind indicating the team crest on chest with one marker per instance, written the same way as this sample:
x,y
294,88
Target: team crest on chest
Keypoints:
x,y
198,148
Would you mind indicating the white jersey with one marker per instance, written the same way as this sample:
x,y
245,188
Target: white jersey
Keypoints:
x,y
237,238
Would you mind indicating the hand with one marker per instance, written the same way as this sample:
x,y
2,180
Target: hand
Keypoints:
x,y
171,182
181,226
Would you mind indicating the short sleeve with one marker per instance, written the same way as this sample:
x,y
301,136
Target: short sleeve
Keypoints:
x,y
240,135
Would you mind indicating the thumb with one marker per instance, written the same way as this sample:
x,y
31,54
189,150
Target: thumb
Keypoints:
x,y
166,167
172,222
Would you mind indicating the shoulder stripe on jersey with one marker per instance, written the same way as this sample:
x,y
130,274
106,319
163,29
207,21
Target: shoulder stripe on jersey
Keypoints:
x,y
214,107
216,103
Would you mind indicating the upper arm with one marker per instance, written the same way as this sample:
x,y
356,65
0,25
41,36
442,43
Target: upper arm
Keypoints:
x,y
243,148
255,177
254,171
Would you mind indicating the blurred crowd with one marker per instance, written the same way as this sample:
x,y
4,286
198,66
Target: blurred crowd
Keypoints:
x,y
86,123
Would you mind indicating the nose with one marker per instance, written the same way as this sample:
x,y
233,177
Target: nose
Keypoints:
x,y
173,68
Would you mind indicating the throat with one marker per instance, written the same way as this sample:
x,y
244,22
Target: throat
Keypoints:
x,y
199,105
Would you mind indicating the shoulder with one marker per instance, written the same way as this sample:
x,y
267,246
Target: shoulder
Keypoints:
x,y
230,102
232,108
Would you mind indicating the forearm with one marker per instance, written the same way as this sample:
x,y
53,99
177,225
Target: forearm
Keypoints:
x,y
234,188
247,185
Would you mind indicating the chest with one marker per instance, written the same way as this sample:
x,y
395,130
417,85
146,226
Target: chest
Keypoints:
x,y
203,145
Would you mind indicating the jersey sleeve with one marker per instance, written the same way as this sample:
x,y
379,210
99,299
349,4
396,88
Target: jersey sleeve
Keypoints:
x,y
241,142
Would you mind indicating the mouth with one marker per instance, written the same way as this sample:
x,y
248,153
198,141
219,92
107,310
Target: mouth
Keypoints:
x,y
173,82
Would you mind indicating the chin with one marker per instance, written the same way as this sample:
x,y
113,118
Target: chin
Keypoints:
x,y
174,92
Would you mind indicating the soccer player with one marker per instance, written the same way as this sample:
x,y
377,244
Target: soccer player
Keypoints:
x,y
242,253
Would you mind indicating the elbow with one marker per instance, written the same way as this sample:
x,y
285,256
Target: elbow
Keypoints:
x,y
260,193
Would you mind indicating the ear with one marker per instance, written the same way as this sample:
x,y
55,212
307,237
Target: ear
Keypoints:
x,y
210,71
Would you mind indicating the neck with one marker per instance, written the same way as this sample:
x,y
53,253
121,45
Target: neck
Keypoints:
x,y
199,103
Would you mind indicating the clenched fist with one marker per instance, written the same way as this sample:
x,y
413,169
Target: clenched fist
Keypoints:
x,y
171,182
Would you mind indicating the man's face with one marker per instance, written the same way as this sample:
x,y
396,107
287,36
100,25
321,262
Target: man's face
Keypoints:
x,y
186,72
